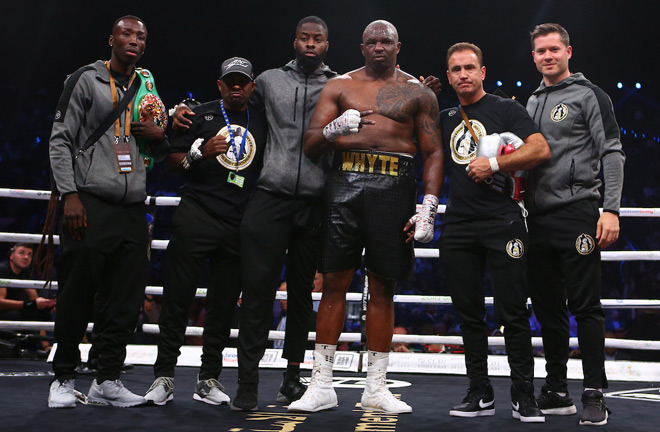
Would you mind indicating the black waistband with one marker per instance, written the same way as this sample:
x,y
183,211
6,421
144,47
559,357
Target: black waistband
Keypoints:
x,y
373,162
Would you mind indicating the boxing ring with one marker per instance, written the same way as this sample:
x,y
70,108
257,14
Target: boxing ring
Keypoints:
x,y
405,369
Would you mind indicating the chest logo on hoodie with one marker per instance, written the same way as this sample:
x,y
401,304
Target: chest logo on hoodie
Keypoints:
x,y
559,113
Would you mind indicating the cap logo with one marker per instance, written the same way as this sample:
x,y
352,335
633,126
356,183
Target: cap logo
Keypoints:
x,y
236,62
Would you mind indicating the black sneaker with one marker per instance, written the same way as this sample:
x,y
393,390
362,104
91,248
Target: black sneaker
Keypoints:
x,y
478,402
290,390
594,410
551,403
524,405
246,398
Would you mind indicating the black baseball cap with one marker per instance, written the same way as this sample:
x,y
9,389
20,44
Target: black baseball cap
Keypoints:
x,y
237,65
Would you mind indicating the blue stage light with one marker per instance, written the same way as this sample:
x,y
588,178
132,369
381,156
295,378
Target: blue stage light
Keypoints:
x,y
619,85
499,83
638,86
518,83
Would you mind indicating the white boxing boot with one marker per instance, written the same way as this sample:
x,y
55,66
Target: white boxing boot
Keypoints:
x,y
376,396
319,394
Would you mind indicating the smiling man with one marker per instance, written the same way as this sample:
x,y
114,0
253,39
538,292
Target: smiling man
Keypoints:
x,y
370,118
220,156
104,239
566,230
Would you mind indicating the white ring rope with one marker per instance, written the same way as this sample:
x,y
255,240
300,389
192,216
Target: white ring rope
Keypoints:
x,y
350,337
419,252
174,201
351,296
354,297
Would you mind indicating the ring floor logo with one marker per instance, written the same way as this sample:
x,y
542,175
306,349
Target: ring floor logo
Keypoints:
x,y
648,394
350,382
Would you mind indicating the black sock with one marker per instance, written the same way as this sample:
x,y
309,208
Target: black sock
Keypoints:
x,y
292,372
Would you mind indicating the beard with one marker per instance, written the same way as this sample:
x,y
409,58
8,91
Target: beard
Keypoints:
x,y
308,63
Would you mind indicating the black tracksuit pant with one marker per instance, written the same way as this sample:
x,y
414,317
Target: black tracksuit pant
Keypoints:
x,y
274,229
198,237
565,264
111,262
466,248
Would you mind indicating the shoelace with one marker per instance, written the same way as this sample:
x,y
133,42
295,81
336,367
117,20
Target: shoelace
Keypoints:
x,y
472,396
167,382
212,383
67,385
594,402
119,386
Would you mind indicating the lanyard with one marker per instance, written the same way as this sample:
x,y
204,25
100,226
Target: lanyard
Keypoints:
x,y
127,122
231,133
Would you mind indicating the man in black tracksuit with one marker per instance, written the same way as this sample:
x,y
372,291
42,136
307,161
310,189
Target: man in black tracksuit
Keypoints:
x,y
484,227
565,229
282,221
220,156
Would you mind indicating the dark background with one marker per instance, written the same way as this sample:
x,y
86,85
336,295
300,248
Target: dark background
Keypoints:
x,y
43,41
46,40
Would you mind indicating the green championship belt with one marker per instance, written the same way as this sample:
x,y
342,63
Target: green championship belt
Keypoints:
x,y
147,100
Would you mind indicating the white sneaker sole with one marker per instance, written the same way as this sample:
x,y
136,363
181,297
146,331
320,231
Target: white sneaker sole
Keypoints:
x,y
312,410
472,414
160,402
61,405
209,401
99,401
516,415
588,423
560,411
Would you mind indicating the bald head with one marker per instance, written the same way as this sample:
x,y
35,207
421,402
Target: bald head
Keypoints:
x,y
381,28
380,46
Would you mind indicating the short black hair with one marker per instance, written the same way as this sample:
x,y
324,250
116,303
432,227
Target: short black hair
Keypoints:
x,y
312,19
133,17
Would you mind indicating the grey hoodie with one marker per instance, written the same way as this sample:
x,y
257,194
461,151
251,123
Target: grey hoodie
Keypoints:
x,y
577,119
95,171
289,97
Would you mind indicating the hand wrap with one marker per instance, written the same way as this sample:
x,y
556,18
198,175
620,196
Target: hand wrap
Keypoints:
x,y
193,154
424,221
345,124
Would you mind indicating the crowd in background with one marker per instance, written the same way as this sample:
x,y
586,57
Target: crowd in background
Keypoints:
x,y
24,165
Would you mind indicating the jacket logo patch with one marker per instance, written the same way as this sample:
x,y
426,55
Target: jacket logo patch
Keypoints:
x,y
463,147
559,113
515,248
585,244
208,117
58,115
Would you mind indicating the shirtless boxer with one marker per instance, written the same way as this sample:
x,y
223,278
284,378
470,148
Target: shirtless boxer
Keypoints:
x,y
370,117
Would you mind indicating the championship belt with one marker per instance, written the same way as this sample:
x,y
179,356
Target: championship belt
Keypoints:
x,y
148,100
